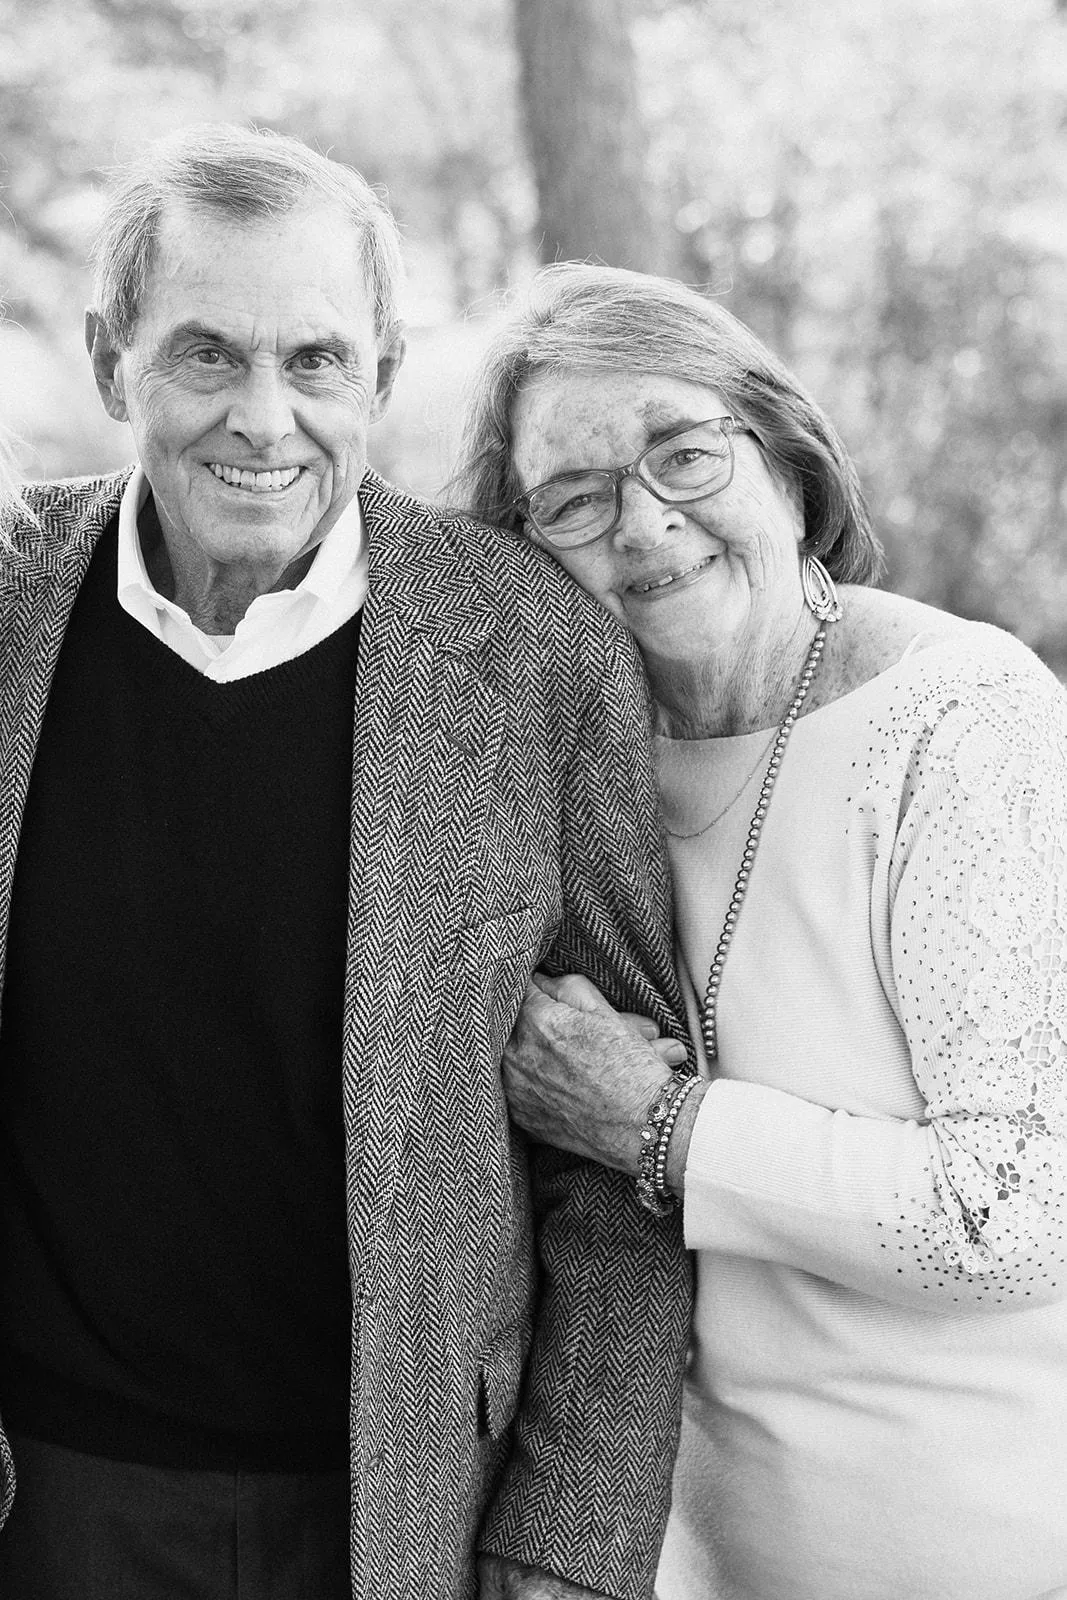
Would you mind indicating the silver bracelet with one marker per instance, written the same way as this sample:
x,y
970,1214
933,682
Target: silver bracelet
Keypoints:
x,y
665,1132
652,1191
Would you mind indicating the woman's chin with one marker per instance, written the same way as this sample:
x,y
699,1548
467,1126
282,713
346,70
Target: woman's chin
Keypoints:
x,y
685,629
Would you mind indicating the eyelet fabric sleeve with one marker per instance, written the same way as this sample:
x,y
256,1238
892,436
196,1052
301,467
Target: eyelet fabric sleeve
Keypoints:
x,y
982,979
962,1203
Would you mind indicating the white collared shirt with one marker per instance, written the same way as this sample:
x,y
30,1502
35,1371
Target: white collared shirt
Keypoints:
x,y
276,627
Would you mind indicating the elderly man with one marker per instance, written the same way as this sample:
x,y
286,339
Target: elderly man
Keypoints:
x,y
299,780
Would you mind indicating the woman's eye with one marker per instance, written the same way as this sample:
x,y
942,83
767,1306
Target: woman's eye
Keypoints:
x,y
574,506
577,502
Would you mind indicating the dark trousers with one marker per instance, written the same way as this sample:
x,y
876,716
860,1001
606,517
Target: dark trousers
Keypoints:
x,y
85,1528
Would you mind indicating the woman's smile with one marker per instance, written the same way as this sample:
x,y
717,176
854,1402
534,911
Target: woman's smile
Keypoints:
x,y
671,579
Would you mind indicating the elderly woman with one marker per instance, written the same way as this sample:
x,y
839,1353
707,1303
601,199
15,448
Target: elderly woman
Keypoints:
x,y
865,807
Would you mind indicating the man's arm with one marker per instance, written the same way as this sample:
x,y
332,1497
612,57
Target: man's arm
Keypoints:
x,y
586,1492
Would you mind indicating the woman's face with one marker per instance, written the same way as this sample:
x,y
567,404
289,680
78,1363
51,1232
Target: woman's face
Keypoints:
x,y
717,574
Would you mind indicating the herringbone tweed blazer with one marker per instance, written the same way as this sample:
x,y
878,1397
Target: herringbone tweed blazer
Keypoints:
x,y
503,816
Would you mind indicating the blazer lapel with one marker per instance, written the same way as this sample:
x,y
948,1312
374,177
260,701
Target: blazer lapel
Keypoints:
x,y
427,735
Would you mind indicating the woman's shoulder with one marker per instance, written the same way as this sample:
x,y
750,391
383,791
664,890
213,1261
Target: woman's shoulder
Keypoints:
x,y
878,629
952,695
882,633
905,678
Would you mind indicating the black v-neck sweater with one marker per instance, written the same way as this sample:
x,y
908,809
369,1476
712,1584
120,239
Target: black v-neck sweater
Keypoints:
x,y
173,1260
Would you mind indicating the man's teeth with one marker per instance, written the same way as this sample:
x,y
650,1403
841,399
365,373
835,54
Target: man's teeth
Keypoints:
x,y
255,480
672,577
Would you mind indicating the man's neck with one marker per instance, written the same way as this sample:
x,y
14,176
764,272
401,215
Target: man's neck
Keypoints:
x,y
214,596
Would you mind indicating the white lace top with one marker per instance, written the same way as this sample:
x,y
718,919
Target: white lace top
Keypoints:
x,y
877,1183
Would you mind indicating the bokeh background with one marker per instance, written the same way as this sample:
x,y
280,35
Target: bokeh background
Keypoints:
x,y
878,186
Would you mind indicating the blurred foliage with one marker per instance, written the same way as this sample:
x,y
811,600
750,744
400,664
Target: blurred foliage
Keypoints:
x,y
881,191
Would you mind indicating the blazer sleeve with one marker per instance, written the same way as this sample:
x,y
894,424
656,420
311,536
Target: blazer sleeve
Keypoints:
x,y
586,1492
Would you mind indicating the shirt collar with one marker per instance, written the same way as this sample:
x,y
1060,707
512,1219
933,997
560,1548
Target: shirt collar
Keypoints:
x,y
340,552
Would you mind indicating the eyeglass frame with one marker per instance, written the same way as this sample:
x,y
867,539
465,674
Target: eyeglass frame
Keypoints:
x,y
618,474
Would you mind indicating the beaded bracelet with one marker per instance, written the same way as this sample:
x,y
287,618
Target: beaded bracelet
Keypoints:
x,y
684,1088
652,1190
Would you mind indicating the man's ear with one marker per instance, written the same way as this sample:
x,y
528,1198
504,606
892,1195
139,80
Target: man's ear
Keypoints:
x,y
390,357
104,355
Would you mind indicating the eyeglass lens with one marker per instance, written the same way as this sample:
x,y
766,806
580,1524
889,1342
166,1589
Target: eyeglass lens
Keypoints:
x,y
688,464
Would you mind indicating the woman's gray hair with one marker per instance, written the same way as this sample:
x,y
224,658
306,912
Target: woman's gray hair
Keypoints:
x,y
13,509
578,317
8,475
9,479
244,173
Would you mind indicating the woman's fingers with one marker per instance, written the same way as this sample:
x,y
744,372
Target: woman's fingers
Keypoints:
x,y
670,1052
644,1027
574,990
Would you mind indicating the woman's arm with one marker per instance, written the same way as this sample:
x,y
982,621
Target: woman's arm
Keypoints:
x,y
965,1206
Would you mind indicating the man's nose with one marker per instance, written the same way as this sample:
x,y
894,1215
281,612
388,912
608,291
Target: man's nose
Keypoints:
x,y
644,521
261,411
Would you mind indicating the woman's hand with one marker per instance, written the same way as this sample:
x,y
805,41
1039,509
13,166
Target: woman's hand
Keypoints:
x,y
581,1075
506,1580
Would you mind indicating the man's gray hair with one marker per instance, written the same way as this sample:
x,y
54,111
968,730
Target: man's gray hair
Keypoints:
x,y
576,317
244,173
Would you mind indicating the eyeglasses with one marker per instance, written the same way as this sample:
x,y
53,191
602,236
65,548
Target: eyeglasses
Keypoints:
x,y
577,508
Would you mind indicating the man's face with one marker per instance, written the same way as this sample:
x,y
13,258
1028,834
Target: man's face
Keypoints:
x,y
253,375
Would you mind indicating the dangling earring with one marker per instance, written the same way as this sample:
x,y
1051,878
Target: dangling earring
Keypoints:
x,y
820,592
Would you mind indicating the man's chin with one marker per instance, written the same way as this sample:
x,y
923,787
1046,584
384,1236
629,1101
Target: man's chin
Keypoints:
x,y
257,531
241,550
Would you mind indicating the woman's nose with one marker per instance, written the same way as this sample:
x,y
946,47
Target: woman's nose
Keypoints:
x,y
645,521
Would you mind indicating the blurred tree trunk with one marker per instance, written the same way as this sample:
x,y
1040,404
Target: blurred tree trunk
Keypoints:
x,y
587,138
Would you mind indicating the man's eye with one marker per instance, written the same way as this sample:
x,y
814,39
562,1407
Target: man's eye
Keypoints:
x,y
208,357
312,361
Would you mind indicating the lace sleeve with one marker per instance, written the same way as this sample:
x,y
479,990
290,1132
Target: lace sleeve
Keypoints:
x,y
979,934
966,1203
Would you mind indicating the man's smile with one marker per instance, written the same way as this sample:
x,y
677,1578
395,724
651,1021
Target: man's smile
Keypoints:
x,y
241,478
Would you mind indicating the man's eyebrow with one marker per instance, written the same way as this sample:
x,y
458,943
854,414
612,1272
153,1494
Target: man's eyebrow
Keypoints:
x,y
331,343
198,330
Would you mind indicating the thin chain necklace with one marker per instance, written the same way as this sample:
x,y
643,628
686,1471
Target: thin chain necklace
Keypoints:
x,y
709,1013
698,833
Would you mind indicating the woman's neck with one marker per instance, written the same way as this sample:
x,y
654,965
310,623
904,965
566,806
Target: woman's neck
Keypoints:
x,y
728,692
